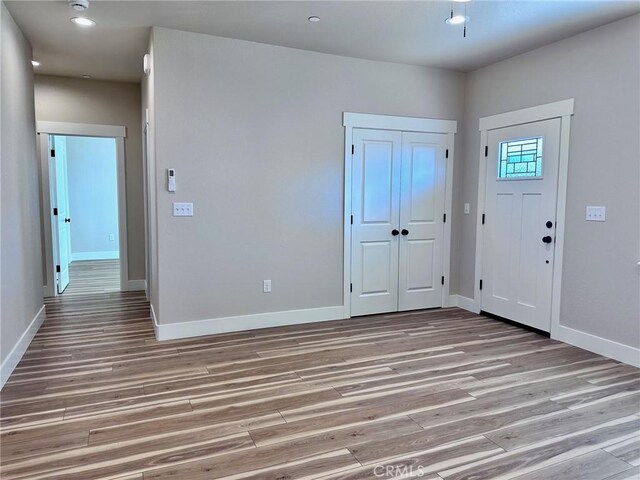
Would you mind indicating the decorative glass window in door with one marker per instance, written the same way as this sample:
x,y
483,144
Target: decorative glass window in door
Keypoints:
x,y
521,158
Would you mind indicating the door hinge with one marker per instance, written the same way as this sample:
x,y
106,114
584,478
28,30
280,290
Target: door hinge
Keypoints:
x,y
55,211
351,219
353,149
483,218
446,154
53,152
351,287
443,280
486,150
444,217
480,284
57,268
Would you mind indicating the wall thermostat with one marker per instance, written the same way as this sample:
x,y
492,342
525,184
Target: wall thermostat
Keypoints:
x,y
171,180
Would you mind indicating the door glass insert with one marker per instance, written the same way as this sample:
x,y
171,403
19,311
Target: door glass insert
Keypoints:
x,y
520,158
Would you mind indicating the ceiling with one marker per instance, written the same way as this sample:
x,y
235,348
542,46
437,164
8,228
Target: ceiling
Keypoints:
x,y
412,32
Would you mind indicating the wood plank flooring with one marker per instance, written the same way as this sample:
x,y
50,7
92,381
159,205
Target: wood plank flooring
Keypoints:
x,y
93,276
441,394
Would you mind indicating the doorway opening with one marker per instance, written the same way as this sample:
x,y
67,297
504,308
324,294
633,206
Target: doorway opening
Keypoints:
x,y
84,184
83,191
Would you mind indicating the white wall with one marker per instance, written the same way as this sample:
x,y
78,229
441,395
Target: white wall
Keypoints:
x,y
149,166
255,134
601,70
20,247
93,197
76,100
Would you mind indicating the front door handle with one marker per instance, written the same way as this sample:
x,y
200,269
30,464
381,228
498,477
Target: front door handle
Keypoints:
x,y
394,232
405,232
547,239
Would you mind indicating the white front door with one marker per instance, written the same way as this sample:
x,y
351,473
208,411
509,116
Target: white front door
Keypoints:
x,y
519,222
397,232
421,220
376,219
61,218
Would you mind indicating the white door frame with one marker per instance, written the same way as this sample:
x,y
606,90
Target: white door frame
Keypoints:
x,y
403,124
563,110
119,133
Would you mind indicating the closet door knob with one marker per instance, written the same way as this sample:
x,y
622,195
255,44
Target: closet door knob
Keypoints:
x,y
405,232
547,239
394,232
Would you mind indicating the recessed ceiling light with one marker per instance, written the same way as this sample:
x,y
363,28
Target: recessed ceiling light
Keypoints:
x,y
83,22
314,19
462,1
457,20
86,76
35,63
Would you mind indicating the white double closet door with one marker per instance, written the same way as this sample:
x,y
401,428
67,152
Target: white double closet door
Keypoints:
x,y
397,232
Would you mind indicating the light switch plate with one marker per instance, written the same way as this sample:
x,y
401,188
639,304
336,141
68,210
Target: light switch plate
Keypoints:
x,y
467,208
182,209
596,214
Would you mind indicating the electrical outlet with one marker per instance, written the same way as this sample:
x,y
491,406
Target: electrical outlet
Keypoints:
x,y
266,286
112,237
182,209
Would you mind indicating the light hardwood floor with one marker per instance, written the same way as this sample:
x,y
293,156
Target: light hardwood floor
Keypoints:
x,y
443,394
93,276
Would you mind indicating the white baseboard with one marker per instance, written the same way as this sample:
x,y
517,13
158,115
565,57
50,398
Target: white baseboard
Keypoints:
x,y
602,346
465,303
134,285
80,256
154,319
212,326
20,347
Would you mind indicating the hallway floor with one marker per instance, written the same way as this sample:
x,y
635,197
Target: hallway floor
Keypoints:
x,y
444,393
93,276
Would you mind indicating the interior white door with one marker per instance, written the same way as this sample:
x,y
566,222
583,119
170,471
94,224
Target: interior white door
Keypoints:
x,y
422,200
519,222
376,217
61,221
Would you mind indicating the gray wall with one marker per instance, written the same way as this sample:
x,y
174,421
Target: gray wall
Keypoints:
x,y
601,70
61,99
255,134
92,175
20,247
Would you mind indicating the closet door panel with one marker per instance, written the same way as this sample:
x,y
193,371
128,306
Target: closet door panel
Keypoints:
x,y
423,176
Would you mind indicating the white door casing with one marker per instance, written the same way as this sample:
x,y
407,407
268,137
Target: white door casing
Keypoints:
x,y
354,121
47,130
376,217
62,252
422,206
519,229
